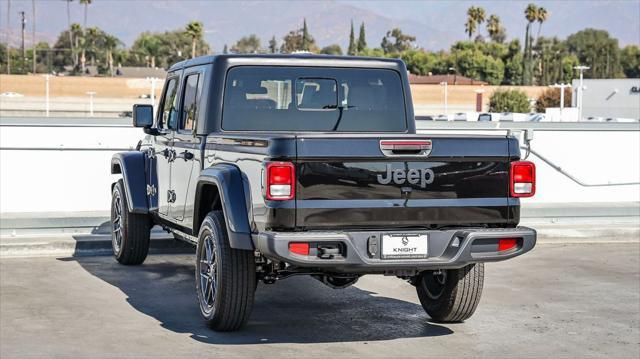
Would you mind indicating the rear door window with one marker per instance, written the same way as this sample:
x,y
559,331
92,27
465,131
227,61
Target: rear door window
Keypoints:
x,y
192,89
262,98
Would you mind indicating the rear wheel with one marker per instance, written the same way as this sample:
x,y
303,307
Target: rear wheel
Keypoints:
x,y
130,232
451,295
225,277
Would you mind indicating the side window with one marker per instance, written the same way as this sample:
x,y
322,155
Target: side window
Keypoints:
x,y
169,106
192,90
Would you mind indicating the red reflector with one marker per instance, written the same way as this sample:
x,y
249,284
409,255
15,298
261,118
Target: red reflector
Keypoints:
x,y
299,248
522,179
505,244
280,181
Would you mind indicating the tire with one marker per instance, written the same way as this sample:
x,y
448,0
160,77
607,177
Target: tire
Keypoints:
x,y
452,296
130,232
225,279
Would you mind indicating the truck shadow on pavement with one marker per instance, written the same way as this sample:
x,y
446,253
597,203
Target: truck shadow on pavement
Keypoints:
x,y
296,310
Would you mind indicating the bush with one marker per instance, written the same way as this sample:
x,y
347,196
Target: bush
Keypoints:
x,y
509,101
551,98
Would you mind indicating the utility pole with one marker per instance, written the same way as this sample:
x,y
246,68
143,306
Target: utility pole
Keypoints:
x,y
562,86
580,89
24,24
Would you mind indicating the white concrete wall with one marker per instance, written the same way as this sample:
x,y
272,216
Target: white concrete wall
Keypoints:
x,y
51,180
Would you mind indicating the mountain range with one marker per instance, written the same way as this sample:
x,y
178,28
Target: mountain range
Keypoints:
x,y
436,24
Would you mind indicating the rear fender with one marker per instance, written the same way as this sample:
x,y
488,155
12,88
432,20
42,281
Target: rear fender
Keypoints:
x,y
228,181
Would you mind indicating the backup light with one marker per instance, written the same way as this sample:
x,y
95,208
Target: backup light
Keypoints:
x,y
280,180
522,179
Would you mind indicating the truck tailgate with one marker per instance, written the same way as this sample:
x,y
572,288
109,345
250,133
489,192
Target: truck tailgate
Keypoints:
x,y
349,181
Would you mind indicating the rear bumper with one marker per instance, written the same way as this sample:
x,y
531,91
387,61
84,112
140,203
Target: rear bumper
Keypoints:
x,y
453,248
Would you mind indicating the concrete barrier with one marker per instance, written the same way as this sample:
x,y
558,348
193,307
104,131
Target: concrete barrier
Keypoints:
x,y
54,174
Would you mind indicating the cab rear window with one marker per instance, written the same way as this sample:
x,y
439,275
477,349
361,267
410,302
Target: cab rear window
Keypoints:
x,y
262,98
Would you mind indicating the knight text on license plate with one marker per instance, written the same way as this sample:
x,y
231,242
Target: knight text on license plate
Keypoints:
x,y
407,245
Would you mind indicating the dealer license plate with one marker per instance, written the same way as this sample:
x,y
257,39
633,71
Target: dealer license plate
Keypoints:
x,y
406,245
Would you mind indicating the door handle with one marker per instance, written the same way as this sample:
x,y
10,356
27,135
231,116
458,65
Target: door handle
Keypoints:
x,y
170,155
186,155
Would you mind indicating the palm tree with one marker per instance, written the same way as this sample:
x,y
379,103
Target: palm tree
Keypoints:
x,y
77,41
195,29
531,15
93,35
86,4
470,27
542,16
494,28
73,58
475,17
110,45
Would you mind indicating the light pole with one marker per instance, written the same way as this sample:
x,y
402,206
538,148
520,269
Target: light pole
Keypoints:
x,y
446,105
580,88
91,94
46,95
562,86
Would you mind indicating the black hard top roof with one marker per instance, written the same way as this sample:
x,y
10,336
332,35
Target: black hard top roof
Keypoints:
x,y
229,60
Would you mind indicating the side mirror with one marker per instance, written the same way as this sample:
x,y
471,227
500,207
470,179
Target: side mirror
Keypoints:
x,y
142,116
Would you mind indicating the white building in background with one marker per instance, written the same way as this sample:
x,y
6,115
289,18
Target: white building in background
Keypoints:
x,y
609,98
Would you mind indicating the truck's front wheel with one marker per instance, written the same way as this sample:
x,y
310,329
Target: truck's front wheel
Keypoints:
x,y
130,232
225,277
451,295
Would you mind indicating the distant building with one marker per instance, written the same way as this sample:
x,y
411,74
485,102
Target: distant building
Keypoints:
x,y
438,79
609,98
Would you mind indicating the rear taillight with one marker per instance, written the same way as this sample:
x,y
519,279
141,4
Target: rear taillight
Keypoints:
x,y
280,181
523,179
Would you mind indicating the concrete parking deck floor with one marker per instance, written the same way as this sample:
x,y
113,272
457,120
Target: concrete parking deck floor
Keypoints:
x,y
575,300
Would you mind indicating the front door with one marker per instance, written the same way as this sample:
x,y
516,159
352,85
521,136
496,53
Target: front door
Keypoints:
x,y
184,170
163,148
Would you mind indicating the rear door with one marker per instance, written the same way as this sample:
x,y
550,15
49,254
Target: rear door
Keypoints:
x,y
358,181
186,146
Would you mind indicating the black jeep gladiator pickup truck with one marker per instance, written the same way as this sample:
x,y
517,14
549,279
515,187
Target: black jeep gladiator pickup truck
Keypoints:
x,y
281,165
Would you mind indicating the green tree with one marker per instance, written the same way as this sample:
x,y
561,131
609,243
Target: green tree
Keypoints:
x,y
247,45
307,39
362,39
334,49
551,98
396,42
599,51
291,42
294,41
70,33
496,31
509,101
630,61
353,47
195,30
273,45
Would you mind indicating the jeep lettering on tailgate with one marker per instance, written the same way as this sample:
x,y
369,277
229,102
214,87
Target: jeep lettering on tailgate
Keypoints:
x,y
421,176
